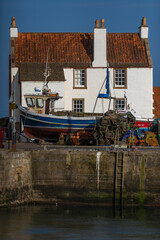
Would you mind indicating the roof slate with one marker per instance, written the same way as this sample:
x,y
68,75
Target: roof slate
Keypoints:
x,y
123,49
156,103
35,71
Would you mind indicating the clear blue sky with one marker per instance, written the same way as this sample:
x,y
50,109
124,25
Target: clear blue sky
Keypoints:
x,y
75,16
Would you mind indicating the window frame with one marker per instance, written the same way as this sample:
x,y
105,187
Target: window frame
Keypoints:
x,y
32,100
125,104
78,99
114,79
74,79
37,105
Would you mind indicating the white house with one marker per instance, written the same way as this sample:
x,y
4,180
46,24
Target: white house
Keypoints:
x,y
78,63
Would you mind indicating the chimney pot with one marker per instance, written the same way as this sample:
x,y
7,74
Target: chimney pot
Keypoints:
x,y
143,21
13,22
97,23
102,23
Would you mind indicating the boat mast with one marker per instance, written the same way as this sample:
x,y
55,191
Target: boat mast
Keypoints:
x,y
46,74
104,95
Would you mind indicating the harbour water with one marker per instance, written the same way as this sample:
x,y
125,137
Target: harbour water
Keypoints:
x,y
80,223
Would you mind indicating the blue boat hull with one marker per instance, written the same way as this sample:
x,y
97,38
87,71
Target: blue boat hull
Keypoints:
x,y
49,127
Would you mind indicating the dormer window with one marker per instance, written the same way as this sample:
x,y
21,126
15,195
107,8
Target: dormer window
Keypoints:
x,y
120,78
79,78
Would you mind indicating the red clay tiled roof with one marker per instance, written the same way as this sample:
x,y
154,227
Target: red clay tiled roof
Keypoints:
x,y
123,49
63,47
126,49
156,103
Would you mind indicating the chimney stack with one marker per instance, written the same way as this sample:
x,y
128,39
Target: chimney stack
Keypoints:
x,y
100,45
143,29
13,29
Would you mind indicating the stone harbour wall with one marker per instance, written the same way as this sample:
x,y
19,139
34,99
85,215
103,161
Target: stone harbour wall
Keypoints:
x,y
78,177
15,177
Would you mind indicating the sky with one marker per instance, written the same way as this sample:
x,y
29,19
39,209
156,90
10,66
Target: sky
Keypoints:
x,y
75,16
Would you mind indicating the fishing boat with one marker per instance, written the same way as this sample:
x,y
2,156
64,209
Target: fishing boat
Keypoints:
x,y
40,123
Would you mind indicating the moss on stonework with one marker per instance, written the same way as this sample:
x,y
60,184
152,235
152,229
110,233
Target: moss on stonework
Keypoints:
x,y
97,195
5,202
142,173
6,199
68,160
141,194
1,157
141,198
124,194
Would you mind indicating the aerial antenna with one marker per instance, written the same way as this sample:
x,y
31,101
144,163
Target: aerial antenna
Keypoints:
x,y
47,73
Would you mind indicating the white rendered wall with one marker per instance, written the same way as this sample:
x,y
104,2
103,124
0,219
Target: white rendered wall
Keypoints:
x,y
27,87
95,79
138,92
